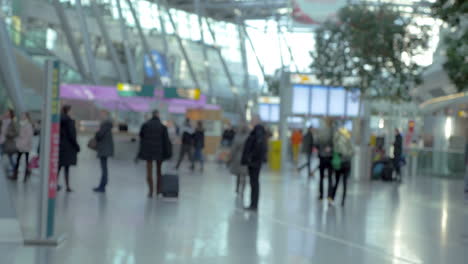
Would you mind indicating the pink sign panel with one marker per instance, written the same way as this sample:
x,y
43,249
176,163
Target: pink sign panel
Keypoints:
x,y
107,97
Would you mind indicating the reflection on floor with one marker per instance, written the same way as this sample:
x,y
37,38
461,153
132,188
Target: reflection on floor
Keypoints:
x,y
422,221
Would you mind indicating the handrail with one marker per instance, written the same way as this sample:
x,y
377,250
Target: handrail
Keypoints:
x,y
452,151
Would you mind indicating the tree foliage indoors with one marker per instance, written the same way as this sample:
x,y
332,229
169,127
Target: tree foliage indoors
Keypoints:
x,y
370,48
455,14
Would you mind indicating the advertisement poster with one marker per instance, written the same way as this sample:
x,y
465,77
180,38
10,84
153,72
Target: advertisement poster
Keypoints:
x,y
54,147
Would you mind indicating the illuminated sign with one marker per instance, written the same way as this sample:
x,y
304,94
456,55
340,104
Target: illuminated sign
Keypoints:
x,y
171,93
129,90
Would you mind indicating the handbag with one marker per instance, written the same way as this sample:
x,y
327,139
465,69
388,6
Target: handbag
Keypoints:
x,y
34,163
9,146
92,144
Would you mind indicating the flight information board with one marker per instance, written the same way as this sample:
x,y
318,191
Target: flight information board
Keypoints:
x,y
318,100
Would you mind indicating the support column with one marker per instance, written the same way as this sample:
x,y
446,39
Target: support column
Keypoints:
x,y
206,62
285,110
70,39
146,47
163,30
128,54
262,69
87,44
108,42
280,47
182,48
364,149
245,64
221,58
289,49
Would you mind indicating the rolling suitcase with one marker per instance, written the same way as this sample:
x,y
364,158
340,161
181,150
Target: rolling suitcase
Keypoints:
x,y
170,185
387,174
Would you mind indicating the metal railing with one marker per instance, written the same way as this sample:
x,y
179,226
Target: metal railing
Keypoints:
x,y
442,163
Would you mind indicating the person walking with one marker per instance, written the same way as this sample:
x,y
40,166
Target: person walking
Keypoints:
x,y
104,148
344,149
235,162
307,149
24,144
199,143
296,140
253,156
397,154
325,166
155,146
228,136
8,136
187,143
69,147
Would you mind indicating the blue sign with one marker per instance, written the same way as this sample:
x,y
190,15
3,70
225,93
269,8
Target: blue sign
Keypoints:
x,y
161,64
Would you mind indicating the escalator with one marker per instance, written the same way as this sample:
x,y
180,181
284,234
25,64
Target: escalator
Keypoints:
x,y
31,54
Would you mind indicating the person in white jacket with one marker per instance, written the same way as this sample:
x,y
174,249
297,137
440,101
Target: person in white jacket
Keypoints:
x,y
24,144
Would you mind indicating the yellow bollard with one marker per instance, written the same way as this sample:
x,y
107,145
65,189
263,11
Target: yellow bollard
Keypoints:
x,y
274,155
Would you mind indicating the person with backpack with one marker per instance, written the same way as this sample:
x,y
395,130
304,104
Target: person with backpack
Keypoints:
x,y
199,143
24,145
343,152
253,156
104,148
187,144
8,135
155,146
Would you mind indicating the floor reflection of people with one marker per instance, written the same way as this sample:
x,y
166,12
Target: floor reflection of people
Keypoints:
x,y
242,239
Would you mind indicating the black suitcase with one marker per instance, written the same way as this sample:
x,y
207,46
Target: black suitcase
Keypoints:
x,y
387,173
170,185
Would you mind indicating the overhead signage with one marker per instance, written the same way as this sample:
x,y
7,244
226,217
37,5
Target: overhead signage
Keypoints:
x,y
162,67
131,90
178,93
268,100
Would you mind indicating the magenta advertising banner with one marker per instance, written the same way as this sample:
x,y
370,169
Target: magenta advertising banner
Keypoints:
x,y
108,97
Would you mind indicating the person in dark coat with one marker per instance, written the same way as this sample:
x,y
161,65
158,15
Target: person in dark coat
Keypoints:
x,y
187,144
397,153
104,148
155,146
69,146
199,143
307,148
325,166
253,156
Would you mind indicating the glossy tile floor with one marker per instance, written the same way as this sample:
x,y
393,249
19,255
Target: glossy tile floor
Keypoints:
x,y
425,220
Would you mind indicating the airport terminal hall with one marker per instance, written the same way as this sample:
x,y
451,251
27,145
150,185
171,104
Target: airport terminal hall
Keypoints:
x,y
233,131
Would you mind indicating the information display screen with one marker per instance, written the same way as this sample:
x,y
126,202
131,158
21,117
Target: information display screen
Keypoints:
x,y
319,101
300,103
274,113
269,112
352,107
337,101
264,112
